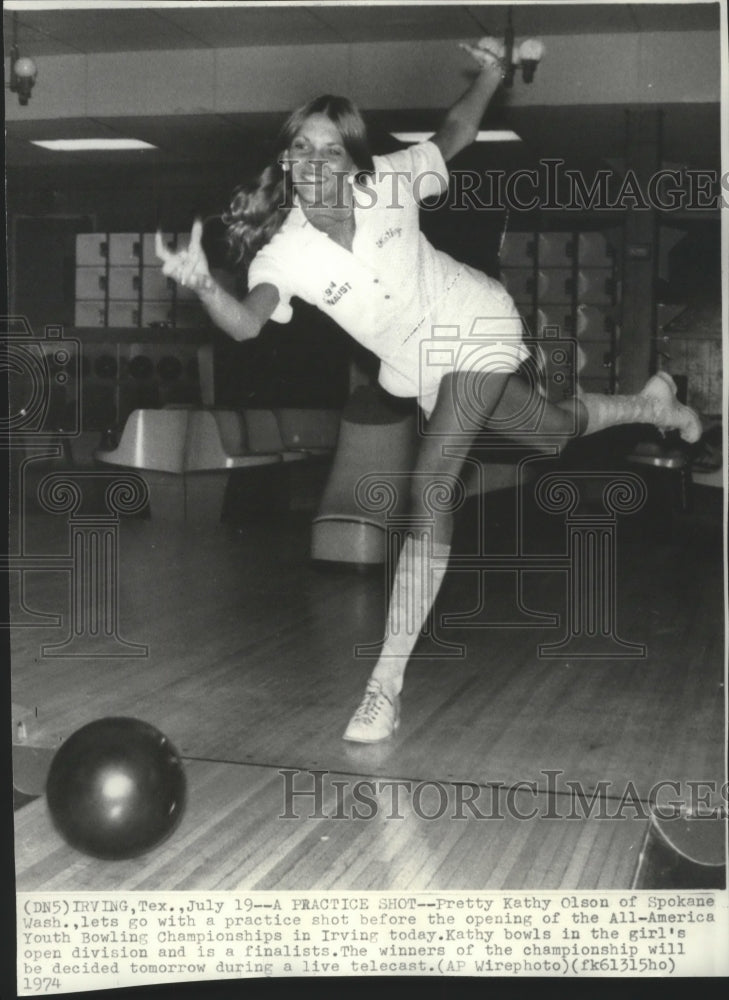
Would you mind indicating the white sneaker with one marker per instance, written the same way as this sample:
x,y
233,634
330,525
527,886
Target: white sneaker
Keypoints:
x,y
377,717
668,413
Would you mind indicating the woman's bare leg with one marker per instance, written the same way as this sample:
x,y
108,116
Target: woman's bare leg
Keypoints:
x,y
424,555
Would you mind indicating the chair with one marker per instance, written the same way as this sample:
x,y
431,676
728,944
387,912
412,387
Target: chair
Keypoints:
x,y
313,431
155,441
216,447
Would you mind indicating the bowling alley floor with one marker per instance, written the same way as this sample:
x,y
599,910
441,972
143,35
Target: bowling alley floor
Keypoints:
x,y
252,664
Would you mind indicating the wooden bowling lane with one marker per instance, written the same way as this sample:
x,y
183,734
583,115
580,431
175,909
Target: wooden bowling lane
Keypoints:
x,y
251,660
251,668
232,836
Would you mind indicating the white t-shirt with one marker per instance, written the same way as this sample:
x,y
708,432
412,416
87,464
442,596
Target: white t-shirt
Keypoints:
x,y
393,286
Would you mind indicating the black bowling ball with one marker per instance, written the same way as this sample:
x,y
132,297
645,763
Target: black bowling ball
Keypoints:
x,y
116,788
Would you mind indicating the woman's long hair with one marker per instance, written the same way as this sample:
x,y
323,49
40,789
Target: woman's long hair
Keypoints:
x,y
258,208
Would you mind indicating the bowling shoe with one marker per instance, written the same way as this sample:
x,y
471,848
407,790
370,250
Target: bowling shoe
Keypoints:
x,y
377,717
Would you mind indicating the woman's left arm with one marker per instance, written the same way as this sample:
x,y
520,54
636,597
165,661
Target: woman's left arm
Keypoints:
x,y
461,123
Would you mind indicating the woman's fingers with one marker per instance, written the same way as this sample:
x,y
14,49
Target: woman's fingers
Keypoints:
x,y
196,234
195,268
483,56
188,267
160,248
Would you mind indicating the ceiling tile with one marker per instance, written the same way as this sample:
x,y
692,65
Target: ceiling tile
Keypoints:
x,y
554,18
33,41
577,18
55,32
98,30
397,22
675,17
241,26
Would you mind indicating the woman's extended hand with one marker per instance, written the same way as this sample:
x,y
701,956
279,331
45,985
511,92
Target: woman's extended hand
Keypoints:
x,y
189,266
488,53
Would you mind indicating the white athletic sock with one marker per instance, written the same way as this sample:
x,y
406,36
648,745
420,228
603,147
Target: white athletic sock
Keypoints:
x,y
418,578
657,404
608,411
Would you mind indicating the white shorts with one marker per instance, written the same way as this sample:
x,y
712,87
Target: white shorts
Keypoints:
x,y
475,328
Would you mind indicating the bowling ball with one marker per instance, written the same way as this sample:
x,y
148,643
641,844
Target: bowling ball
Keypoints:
x,y
116,788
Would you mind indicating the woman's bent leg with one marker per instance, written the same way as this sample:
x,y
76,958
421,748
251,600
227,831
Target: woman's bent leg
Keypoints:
x,y
588,413
424,556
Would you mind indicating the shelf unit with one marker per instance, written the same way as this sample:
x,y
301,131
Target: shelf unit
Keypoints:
x,y
567,287
119,283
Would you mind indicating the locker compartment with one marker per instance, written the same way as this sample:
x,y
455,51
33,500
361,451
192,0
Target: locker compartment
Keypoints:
x,y
157,313
124,313
597,359
595,286
554,285
91,248
517,250
594,322
555,249
519,283
90,313
559,317
125,248
595,250
155,286
149,256
123,282
91,282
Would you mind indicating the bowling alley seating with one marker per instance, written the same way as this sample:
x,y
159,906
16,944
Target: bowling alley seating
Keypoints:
x,y
215,446
314,432
154,441
188,454
264,436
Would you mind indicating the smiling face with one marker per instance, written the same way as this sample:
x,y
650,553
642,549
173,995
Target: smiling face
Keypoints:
x,y
319,162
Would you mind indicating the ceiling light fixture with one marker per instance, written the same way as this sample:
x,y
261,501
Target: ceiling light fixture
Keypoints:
x,y
488,135
23,70
513,54
77,145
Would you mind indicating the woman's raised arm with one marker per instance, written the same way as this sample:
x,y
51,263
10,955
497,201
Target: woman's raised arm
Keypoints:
x,y
240,319
461,123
